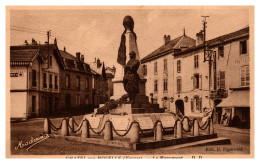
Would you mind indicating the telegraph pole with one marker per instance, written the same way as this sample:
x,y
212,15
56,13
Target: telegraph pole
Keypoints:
x,y
208,54
48,36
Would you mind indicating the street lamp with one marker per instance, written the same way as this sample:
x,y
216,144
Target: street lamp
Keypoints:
x,y
186,99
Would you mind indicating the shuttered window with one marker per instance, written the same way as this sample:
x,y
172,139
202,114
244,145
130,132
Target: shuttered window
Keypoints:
x,y
34,83
165,64
165,84
196,61
178,66
155,68
245,76
191,105
196,104
179,87
155,85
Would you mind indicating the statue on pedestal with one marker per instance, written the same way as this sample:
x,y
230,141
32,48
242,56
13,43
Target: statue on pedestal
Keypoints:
x,y
131,77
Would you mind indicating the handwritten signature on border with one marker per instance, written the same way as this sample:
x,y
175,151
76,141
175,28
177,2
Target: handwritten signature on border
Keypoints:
x,y
32,142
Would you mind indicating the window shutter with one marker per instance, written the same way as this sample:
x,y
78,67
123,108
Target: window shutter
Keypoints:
x,y
180,66
180,85
69,81
191,104
195,61
200,104
200,82
218,80
194,82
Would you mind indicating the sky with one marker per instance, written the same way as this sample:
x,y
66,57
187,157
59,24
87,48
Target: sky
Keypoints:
x,y
96,32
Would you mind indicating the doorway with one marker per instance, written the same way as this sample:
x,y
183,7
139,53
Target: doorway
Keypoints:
x,y
50,105
218,112
179,106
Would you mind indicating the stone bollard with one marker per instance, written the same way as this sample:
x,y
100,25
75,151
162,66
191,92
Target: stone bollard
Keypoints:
x,y
71,123
179,129
64,128
158,133
47,126
85,129
211,127
175,130
108,134
134,133
192,130
185,124
196,127
208,126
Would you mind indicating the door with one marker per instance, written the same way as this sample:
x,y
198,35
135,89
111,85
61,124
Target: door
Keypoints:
x,y
33,104
179,106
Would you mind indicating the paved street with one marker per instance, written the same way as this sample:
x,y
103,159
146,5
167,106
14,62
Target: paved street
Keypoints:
x,y
24,131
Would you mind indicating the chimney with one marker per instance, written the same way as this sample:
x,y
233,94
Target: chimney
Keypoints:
x,y
25,42
98,63
34,42
167,39
78,56
200,38
82,58
64,49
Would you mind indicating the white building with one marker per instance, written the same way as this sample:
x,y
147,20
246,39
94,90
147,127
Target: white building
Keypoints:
x,y
222,84
34,79
158,70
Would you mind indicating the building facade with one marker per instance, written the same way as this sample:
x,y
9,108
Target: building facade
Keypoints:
x,y
76,84
158,70
34,79
100,88
220,83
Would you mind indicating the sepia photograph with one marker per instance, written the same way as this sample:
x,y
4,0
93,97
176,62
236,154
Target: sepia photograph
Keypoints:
x,y
130,82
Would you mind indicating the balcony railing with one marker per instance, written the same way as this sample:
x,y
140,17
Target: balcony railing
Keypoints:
x,y
220,93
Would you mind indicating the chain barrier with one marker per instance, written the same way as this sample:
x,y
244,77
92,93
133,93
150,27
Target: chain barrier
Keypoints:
x,y
206,123
122,135
190,125
75,122
55,128
78,129
98,133
185,117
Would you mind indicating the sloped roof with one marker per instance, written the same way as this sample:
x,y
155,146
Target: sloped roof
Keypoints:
x,y
23,55
67,55
72,64
218,40
177,43
44,48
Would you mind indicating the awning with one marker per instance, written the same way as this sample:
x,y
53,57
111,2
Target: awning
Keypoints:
x,y
236,99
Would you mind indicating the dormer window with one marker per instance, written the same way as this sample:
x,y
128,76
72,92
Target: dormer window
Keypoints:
x,y
50,61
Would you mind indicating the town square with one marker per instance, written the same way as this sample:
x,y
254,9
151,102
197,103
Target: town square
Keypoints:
x,y
128,81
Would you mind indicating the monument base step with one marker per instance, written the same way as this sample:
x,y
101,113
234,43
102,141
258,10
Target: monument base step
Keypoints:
x,y
149,143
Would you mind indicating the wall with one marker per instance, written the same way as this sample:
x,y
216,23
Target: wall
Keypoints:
x,y
18,104
186,74
231,63
19,82
73,91
161,74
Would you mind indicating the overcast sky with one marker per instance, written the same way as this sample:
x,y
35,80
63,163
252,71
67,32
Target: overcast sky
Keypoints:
x,y
97,32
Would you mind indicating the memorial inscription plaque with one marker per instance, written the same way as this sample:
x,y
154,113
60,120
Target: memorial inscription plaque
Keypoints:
x,y
145,123
120,123
167,121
